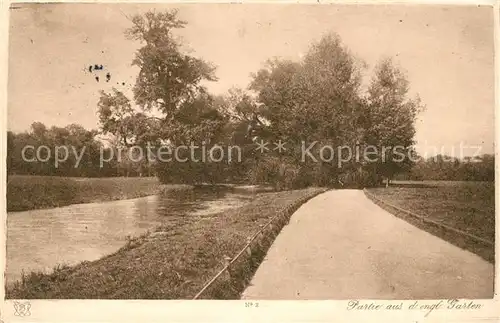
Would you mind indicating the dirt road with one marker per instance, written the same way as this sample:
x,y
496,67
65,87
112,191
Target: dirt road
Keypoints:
x,y
340,245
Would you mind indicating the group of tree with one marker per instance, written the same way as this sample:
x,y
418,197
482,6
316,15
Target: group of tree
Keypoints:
x,y
316,99
325,97
320,99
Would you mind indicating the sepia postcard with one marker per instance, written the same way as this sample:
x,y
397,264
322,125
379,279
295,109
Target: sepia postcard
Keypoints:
x,y
234,162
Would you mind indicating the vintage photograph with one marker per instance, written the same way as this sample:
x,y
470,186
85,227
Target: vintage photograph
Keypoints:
x,y
250,151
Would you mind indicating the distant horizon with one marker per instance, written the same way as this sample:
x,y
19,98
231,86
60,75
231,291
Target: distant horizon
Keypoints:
x,y
447,52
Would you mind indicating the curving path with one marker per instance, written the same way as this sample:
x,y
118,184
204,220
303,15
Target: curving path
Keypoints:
x,y
340,245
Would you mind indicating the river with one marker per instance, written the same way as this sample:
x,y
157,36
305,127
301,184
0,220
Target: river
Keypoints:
x,y
39,240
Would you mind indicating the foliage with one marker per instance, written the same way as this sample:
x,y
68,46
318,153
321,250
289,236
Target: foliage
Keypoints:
x,y
117,117
320,99
390,120
316,99
167,77
448,168
170,106
74,138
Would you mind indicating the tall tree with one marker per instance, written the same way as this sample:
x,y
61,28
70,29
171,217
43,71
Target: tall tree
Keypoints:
x,y
167,77
390,121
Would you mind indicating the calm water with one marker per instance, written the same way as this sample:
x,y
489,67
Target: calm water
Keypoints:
x,y
41,239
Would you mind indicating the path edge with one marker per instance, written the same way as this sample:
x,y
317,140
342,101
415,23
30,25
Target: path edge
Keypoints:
x,y
234,278
481,248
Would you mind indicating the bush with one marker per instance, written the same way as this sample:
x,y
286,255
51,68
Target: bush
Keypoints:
x,y
278,172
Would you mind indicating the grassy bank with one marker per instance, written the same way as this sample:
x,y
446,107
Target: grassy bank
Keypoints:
x,y
40,192
173,262
466,206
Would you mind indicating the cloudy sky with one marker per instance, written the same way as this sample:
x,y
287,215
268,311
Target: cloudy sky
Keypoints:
x,y
447,53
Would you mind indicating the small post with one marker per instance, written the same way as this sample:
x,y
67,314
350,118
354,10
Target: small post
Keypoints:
x,y
249,249
227,274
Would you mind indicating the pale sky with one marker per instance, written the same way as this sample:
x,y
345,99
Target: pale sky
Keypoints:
x,y
447,52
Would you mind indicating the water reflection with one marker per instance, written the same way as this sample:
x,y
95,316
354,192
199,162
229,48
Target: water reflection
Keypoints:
x,y
42,239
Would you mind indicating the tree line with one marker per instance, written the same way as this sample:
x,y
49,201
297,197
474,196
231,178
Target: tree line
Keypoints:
x,y
71,151
447,168
75,137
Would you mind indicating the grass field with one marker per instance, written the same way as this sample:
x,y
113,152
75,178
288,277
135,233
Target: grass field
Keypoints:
x,y
467,206
173,262
40,192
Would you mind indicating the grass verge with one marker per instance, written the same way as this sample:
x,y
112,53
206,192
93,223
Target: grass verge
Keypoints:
x,y
466,206
41,192
174,261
